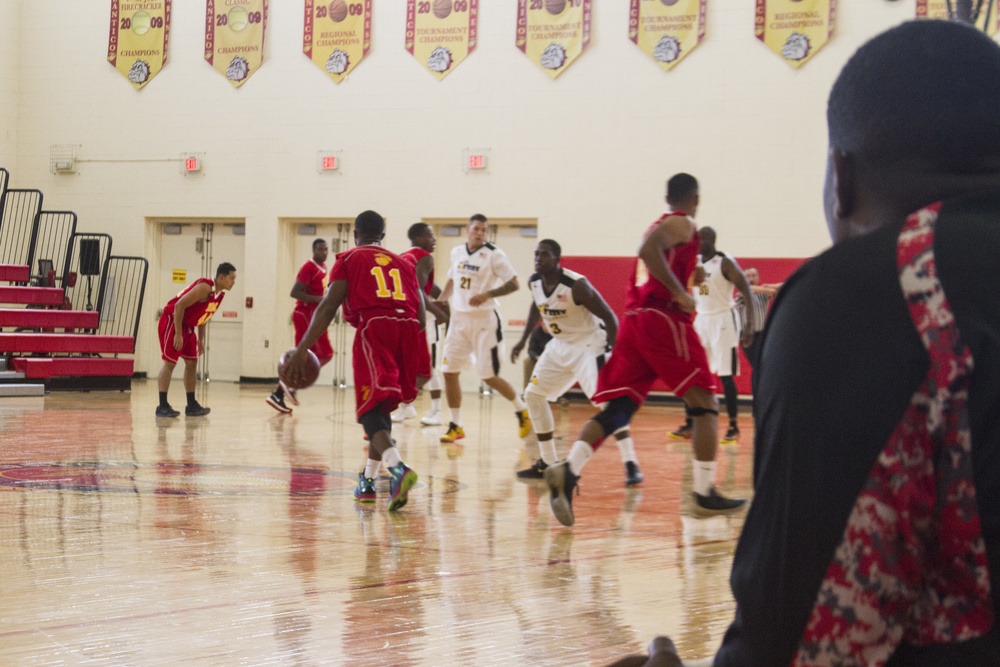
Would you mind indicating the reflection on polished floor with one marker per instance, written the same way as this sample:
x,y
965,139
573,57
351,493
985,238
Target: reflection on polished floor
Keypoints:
x,y
234,539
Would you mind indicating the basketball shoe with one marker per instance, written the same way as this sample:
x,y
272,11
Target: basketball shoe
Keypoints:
x,y
732,435
633,476
433,418
682,433
523,424
401,481
455,432
278,403
196,410
364,492
289,392
166,411
404,412
561,482
536,471
714,502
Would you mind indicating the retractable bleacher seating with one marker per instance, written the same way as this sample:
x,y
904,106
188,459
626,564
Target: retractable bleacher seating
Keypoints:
x,y
69,310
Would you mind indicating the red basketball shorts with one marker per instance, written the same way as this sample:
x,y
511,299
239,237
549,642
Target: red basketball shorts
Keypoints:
x,y
322,347
653,344
424,366
385,368
189,346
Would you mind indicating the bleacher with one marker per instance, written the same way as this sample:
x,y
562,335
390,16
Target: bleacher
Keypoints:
x,y
69,309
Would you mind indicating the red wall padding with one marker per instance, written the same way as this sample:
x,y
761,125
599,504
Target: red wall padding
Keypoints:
x,y
610,275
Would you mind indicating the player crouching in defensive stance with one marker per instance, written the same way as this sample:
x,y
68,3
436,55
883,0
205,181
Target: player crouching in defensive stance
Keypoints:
x,y
583,329
382,300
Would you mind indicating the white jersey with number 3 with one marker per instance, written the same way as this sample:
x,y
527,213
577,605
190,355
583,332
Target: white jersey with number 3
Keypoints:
x,y
476,272
715,295
566,320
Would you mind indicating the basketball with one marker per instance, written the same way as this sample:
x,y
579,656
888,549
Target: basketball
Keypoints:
x,y
555,7
309,372
669,3
442,8
338,10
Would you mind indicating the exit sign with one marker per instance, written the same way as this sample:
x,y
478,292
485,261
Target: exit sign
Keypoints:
x,y
328,162
192,164
477,161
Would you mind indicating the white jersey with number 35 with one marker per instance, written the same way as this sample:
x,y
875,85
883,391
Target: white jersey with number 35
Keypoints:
x,y
715,295
476,272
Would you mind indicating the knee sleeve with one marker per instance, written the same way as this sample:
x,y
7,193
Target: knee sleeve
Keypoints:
x,y
616,414
374,421
434,384
698,412
540,412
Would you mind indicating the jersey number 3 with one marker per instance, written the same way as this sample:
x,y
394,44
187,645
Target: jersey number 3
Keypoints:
x,y
383,289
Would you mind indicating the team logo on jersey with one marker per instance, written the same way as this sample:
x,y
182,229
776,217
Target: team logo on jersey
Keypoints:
x,y
366,391
560,297
381,259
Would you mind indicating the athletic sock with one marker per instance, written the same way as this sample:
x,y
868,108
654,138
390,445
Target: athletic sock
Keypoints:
x,y
704,477
578,456
371,468
391,457
163,399
548,450
190,398
627,449
519,404
435,405
456,416
279,392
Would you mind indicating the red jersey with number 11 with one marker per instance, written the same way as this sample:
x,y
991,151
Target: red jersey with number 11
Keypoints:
x,y
379,282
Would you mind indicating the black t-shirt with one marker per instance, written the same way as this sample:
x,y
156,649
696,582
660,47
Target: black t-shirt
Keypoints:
x,y
839,363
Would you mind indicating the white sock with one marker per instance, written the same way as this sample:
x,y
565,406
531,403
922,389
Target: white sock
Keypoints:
x,y
704,477
627,450
391,457
371,468
578,456
456,416
548,450
435,405
519,404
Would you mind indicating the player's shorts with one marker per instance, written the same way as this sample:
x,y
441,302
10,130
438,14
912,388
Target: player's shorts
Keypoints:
x,y
189,346
653,344
563,364
385,368
720,334
474,337
322,347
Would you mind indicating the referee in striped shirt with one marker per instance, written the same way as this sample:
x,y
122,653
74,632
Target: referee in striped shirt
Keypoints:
x,y
761,298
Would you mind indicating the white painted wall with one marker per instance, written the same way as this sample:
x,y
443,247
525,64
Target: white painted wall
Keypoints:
x,y
587,154
10,14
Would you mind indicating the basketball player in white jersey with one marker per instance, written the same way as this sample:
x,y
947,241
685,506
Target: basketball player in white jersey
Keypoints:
x,y
583,329
718,324
480,272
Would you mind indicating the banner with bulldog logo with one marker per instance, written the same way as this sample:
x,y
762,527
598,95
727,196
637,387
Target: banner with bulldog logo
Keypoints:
x,y
137,46
441,33
234,37
337,35
794,29
553,33
667,30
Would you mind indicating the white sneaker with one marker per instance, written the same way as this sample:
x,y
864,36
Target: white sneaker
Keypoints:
x,y
433,418
405,411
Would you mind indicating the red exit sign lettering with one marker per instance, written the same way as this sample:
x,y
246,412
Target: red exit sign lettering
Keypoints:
x,y
477,161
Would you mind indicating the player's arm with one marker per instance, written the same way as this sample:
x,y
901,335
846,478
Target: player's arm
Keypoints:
x,y
733,273
585,295
198,293
534,317
201,338
510,286
674,231
300,291
449,287
325,312
424,267
770,289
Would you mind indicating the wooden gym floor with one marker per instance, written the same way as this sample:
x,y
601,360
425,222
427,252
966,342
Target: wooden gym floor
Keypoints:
x,y
234,539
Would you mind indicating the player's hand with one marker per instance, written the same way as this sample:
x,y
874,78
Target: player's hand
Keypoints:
x,y
698,277
516,352
746,338
178,341
293,369
201,346
479,299
685,302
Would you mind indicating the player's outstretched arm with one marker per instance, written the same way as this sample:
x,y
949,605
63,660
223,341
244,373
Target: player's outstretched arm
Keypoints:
x,y
674,231
733,273
585,295
534,317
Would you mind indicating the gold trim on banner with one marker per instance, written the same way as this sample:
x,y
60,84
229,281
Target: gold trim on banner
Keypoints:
x,y
553,33
337,35
234,37
795,29
137,44
667,31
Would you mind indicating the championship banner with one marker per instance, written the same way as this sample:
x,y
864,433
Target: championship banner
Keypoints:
x,y
337,35
553,33
795,29
988,20
667,30
137,46
441,33
234,37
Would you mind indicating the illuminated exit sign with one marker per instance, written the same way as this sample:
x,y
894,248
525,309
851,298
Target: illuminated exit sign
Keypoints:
x,y
191,163
328,162
475,160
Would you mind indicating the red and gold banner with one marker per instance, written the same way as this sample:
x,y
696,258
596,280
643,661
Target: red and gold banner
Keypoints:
x,y
337,34
441,33
137,46
234,37
795,29
667,30
988,20
553,33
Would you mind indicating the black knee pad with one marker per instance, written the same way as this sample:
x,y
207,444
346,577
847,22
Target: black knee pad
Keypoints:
x,y
374,421
616,414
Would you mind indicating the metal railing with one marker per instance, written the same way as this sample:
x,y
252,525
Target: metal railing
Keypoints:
x,y
16,222
123,285
87,258
49,249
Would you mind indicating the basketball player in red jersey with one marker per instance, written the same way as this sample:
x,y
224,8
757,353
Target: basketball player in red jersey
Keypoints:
x,y
308,290
192,308
422,237
381,299
656,340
